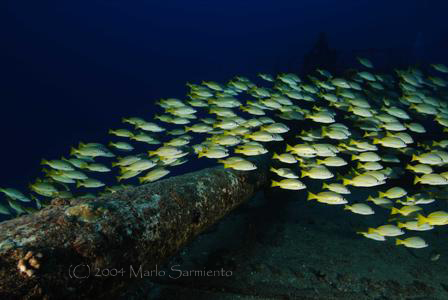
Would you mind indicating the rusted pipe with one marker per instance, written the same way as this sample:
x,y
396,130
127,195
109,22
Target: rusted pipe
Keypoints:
x,y
84,248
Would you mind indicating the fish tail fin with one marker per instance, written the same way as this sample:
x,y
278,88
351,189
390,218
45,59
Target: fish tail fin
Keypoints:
x,y
311,196
274,183
324,131
417,180
421,219
399,242
394,211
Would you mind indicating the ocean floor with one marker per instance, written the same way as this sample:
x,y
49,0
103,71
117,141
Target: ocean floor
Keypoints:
x,y
280,246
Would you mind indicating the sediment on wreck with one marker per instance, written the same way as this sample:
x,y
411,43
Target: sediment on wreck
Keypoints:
x,y
85,248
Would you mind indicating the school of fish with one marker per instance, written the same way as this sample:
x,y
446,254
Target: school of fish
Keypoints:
x,y
383,133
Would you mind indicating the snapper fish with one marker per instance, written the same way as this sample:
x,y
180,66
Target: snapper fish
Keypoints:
x,y
360,208
327,197
284,172
365,62
58,164
336,187
289,184
240,164
154,175
412,242
15,194
372,236
91,151
364,131
387,230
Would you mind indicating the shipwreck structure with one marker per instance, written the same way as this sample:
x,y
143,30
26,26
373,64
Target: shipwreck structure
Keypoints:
x,y
83,248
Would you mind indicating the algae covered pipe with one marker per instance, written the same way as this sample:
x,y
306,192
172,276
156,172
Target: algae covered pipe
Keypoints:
x,y
69,248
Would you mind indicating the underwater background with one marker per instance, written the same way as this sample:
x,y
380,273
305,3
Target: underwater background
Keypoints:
x,y
74,70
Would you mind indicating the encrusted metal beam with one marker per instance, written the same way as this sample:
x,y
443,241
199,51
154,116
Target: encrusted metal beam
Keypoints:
x,y
88,248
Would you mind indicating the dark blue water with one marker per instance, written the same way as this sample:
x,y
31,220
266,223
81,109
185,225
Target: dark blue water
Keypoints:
x,y
73,69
